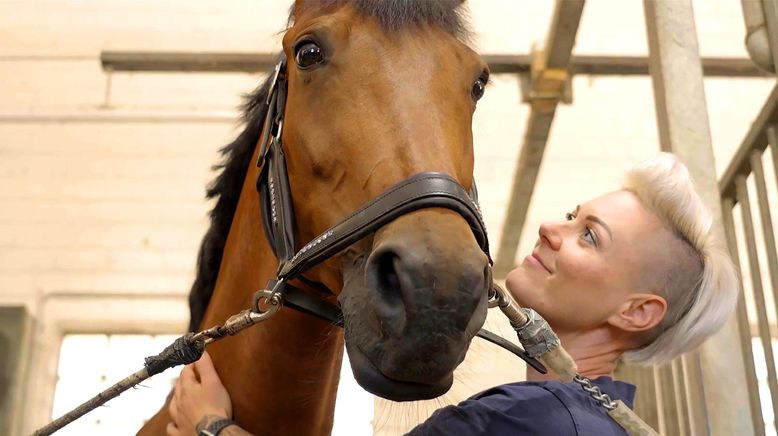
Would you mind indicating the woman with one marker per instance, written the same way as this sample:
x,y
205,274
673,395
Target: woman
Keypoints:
x,y
634,275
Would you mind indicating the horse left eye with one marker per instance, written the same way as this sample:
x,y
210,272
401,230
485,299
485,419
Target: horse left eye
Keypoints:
x,y
308,55
478,89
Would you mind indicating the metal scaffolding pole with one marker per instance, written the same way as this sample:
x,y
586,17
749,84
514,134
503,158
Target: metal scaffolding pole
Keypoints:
x,y
715,387
549,77
220,62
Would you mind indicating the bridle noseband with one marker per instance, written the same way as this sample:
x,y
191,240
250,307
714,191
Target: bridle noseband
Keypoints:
x,y
423,190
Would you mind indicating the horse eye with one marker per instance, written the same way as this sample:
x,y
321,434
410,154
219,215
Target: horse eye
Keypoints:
x,y
478,89
308,54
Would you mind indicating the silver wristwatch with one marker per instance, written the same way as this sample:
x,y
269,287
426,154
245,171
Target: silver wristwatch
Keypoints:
x,y
215,427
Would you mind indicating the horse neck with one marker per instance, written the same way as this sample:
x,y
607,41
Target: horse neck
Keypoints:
x,y
282,374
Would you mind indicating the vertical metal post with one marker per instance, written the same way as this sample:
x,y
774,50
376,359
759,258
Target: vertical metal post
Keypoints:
x,y
770,8
756,283
668,413
772,142
679,395
682,119
744,326
767,222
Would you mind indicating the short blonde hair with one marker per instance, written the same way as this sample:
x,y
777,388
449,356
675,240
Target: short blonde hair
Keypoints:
x,y
701,288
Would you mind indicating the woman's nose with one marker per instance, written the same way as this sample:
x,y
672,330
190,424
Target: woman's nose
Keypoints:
x,y
550,234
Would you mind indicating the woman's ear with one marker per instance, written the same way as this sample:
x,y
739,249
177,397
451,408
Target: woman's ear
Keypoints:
x,y
641,312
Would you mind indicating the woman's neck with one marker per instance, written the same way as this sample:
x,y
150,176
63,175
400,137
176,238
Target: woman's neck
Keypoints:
x,y
595,351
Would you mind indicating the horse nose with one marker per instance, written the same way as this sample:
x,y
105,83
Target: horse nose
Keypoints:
x,y
407,283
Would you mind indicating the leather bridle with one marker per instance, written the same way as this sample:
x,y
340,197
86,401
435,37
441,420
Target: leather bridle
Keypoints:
x,y
423,190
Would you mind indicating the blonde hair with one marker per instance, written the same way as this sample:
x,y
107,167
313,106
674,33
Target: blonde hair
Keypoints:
x,y
700,283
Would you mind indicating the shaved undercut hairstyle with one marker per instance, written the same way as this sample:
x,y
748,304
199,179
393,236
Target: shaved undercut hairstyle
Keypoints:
x,y
698,281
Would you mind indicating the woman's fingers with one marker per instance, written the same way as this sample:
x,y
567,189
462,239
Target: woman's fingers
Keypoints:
x,y
188,375
206,370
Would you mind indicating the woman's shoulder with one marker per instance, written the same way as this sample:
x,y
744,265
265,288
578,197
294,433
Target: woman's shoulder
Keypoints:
x,y
532,408
503,410
589,418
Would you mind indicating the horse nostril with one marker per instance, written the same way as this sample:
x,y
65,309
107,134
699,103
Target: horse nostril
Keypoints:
x,y
383,280
386,274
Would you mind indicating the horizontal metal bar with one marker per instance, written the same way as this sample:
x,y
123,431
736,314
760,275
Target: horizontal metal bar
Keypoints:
x,y
498,63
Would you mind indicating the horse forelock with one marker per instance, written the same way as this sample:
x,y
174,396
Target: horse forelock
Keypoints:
x,y
394,15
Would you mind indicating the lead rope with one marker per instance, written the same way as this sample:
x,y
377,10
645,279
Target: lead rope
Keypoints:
x,y
183,351
540,342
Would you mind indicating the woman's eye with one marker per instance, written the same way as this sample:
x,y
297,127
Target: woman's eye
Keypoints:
x,y
590,237
308,54
478,89
569,216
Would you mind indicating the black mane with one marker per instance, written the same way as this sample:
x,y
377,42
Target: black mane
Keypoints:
x,y
226,187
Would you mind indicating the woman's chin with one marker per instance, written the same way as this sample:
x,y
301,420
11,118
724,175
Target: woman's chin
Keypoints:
x,y
522,287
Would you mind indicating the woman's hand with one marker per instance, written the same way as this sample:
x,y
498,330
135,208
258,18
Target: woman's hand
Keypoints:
x,y
195,398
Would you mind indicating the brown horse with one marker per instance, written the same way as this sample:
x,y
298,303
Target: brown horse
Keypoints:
x,y
378,90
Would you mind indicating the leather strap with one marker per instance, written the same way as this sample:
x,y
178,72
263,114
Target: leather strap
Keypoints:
x,y
421,191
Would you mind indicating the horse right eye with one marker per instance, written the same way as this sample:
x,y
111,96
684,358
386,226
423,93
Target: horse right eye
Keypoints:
x,y
308,55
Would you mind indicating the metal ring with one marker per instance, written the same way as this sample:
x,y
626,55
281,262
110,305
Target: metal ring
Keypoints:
x,y
273,300
493,298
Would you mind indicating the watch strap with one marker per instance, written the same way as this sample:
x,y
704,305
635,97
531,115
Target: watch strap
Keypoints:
x,y
215,427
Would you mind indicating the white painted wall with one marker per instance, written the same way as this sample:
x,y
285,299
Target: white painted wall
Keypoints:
x,y
111,209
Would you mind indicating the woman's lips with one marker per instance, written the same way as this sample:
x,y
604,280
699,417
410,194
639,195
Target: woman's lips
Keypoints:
x,y
535,260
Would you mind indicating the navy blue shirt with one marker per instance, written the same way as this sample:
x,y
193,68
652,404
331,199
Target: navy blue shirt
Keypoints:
x,y
531,408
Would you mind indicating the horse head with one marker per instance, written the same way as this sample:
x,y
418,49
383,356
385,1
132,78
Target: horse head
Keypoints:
x,y
379,91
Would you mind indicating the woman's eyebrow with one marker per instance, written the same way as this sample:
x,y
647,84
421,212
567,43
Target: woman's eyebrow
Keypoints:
x,y
599,221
